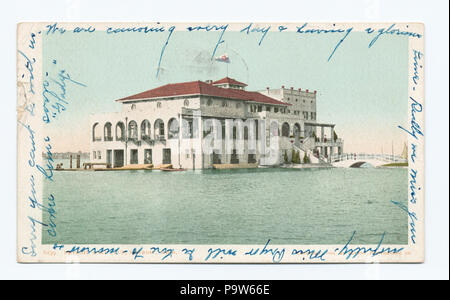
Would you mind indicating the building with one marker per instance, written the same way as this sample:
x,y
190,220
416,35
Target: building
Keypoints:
x,y
148,130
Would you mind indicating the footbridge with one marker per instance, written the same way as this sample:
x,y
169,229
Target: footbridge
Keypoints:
x,y
355,160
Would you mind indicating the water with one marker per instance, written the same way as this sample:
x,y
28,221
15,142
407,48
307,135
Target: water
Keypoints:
x,y
289,206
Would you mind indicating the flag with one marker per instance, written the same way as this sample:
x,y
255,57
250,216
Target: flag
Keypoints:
x,y
224,58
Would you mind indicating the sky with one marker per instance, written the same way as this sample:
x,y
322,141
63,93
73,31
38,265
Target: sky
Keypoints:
x,y
364,91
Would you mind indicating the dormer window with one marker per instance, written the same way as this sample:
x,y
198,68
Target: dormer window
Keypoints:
x,y
229,83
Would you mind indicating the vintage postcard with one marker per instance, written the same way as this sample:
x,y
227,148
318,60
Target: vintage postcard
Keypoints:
x,y
220,143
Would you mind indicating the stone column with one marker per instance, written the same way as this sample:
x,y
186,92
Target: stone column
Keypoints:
x,y
332,134
331,152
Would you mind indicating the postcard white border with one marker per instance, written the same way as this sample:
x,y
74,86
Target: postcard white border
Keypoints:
x,y
412,253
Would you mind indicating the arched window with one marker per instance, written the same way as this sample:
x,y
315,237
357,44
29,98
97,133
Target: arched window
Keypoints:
x,y
174,128
187,128
274,129
297,130
132,130
145,130
107,132
159,129
246,133
120,131
257,130
96,133
285,129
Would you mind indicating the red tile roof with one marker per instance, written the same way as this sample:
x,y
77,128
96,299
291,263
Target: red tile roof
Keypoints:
x,y
229,81
202,88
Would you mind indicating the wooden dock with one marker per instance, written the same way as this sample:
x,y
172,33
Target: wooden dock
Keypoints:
x,y
235,166
107,167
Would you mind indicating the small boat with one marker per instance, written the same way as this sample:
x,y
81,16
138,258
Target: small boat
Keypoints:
x,y
172,170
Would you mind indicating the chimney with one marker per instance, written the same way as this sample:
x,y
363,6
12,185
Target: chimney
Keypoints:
x,y
282,86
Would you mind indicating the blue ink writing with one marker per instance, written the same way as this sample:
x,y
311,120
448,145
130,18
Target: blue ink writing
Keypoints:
x,y
32,249
354,252
51,29
302,29
277,254
412,185
413,152
55,101
250,28
415,129
391,31
189,252
417,56
137,253
89,29
311,254
88,250
32,153
164,251
171,30
29,65
144,29
48,173
208,28
412,217
214,253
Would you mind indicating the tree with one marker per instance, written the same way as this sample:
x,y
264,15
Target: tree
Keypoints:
x,y
306,159
286,158
297,157
335,136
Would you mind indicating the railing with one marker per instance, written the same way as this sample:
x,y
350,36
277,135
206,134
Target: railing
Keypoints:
x,y
365,156
327,141
160,138
306,145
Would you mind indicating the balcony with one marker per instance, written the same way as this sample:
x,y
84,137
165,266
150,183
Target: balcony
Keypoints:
x,y
160,138
328,142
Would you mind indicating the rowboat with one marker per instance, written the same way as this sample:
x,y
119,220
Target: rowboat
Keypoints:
x,y
171,170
